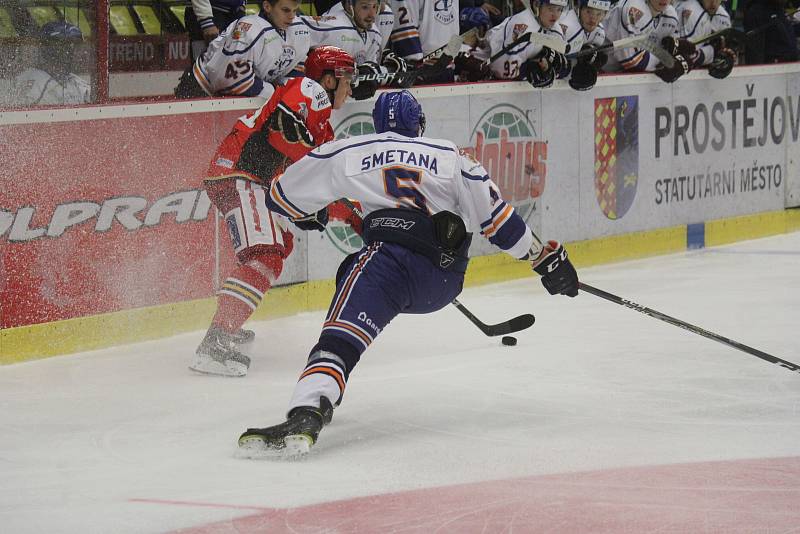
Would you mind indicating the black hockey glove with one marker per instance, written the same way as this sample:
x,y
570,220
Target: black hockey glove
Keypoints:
x,y
679,47
316,221
584,76
597,58
290,125
558,62
470,68
537,76
722,64
680,68
394,63
366,88
558,274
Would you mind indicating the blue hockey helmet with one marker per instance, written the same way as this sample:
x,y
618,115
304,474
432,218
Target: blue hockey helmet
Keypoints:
x,y
398,112
473,17
61,29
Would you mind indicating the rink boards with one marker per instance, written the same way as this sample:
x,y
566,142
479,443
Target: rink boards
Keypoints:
x,y
108,238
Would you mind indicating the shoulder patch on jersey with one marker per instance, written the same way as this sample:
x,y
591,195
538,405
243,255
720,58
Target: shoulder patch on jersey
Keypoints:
x,y
518,30
316,93
241,27
634,15
687,13
323,18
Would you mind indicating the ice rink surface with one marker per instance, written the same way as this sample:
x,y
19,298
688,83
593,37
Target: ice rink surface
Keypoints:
x,y
601,419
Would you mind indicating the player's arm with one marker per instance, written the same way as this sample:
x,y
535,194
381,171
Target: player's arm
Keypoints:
x,y
307,186
505,229
205,18
300,120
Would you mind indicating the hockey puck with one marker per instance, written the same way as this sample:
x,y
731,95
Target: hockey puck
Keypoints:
x,y
509,341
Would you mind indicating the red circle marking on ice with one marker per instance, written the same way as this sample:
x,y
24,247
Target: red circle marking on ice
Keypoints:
x,y
731,496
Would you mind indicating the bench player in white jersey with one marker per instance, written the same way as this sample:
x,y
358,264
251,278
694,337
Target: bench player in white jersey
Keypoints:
x,y
421,197
527,60
353,26
583,30
286,127
700,18
422,26
53,82
635,17
250,55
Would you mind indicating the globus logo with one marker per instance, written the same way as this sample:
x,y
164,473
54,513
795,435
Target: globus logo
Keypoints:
x,y
355,124
503,140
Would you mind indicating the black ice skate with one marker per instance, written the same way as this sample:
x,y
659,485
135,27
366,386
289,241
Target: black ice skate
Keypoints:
x,y
219,355
290,439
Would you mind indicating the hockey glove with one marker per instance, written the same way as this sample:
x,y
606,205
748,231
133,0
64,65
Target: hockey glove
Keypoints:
x,y
290,125
537,76
584,76
722,64
679,47
394,63
316,221
550,59
680,68
366,88
558,274
597,59
470,68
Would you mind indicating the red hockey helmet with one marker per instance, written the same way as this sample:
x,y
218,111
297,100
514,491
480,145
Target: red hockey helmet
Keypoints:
x,y
329,58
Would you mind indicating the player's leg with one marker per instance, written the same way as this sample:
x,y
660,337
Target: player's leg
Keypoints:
x,y
260,245
376,285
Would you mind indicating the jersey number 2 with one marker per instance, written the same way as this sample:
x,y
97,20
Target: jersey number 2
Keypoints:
x,y
401,183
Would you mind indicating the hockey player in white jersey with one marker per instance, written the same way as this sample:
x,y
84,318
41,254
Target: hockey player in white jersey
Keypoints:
x,y
352,25
526,60
53,82
422,26
421,198
700,18
657,17
583,31
250,55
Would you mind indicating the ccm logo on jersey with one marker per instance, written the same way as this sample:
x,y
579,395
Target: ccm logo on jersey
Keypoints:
x,y
391,222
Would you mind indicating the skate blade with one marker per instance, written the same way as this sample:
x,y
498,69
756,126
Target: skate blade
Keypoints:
x,y
207,366
255,448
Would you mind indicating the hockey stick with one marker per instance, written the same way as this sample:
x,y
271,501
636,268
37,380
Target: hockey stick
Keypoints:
x,y
626,42
515,324
407,78
686,326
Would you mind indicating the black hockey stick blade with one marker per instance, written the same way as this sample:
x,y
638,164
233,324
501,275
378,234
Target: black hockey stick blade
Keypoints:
x,y
690,327
515,324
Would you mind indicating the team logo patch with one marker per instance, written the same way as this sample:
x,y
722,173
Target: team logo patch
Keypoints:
x,y
687,13
518,30
616,153
634,15
443,11
563,28
241,27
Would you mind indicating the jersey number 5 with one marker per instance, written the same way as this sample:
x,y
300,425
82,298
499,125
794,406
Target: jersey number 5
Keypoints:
x,y
401,183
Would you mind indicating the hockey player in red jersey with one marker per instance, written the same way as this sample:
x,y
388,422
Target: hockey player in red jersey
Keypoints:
x,y
260,146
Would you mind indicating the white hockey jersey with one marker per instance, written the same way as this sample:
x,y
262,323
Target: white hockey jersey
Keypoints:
x,y
249,53
576,36
336,28
385,23
388,170
34,87
423,26
696,22
634,17
507,66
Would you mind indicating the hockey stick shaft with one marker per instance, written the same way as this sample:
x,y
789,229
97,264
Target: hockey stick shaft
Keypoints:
x,y
515,324
625,42
690,327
